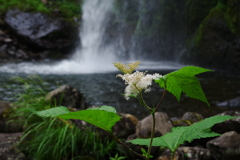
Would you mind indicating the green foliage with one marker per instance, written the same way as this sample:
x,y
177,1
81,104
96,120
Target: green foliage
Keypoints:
x,y
50,138
45,136
31,98
144,153
103,117
184,80
68,8
181,134
25,5
116,157
59,8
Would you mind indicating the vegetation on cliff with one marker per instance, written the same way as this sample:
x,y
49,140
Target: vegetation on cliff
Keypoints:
x,y
66,9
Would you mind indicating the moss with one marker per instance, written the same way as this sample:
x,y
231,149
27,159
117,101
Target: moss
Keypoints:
x,y
196,11
220,11
59,8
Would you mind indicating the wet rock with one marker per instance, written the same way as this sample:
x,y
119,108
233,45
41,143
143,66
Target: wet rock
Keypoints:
x,y
8,150
163,125
125,127
67,96
131,117
188,119
193,116
230,103
11,50
225,147
229,125
41,30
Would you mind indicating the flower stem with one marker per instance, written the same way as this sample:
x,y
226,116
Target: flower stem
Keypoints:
x,y
141,100
160,102
152,135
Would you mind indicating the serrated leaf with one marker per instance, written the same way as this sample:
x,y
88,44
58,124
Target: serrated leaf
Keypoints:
x,y
52,112
98,117
181,134
184,80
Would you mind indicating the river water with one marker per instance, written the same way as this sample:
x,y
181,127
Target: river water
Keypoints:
x,y
104,88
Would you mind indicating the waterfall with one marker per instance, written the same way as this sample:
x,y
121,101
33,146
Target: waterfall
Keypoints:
x,y
96,52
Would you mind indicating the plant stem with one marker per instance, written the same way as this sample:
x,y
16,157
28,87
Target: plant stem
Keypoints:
x,y
141,100
152,135
160,102
128,148
154,122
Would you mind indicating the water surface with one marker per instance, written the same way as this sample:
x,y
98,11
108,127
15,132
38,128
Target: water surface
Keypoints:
x,y
107,89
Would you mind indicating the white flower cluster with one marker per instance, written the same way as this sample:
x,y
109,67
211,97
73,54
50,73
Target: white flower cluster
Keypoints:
x,y
138,81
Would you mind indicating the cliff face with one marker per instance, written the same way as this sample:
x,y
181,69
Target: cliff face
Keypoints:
x,y
215,40
199,32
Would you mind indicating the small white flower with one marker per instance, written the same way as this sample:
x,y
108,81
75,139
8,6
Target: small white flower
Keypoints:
x,y
137,82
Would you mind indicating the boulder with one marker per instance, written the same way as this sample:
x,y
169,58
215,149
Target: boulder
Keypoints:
x,y
41,30
188,119
229,125
67,96
163,125
225,147
233,103
126,126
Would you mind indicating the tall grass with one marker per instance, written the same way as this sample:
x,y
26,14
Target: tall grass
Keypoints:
x,y
54,138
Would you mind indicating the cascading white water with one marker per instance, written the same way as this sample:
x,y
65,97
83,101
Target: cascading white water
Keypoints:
x,y
94,55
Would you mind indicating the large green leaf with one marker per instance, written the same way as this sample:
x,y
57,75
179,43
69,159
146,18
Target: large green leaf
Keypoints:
x,y
103,117
184,80
181,134
97,116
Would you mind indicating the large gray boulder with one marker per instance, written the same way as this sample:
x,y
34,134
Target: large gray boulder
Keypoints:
x,y
41,30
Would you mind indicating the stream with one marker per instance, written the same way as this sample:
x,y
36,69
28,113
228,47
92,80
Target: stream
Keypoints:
x,y
107,89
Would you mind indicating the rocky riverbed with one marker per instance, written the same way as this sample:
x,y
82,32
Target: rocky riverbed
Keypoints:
x,y
224,147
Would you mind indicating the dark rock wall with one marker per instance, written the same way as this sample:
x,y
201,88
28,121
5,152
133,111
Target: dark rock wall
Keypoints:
x,y
216,41
199,32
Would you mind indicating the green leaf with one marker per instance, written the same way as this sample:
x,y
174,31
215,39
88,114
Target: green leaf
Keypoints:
x,y
52,112
96,116
145,154
184,80
181,134
105,108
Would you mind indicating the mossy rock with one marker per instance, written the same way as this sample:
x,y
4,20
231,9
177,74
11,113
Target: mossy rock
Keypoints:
x,y
215,44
